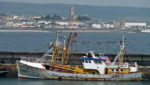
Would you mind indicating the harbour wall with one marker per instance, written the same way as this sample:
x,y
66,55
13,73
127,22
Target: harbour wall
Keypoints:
x,y
12,57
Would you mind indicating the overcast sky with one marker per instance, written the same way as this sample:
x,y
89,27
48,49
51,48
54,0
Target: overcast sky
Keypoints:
x,y
129,3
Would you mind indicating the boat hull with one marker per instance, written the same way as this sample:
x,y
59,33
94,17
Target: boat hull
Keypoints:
x,y
26,71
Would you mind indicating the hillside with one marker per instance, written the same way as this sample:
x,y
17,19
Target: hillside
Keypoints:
x,y
96,12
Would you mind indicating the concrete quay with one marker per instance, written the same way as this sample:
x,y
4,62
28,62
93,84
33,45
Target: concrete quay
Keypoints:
x,y
12,57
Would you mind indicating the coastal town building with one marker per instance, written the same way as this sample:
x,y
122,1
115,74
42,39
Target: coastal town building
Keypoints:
x,y
118,24
135,24
73,21
96,25
62,23
108,25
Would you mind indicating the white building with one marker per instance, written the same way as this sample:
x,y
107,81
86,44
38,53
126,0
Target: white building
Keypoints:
x,y
62,23
45,22
108,25
36,17
135,24
96,25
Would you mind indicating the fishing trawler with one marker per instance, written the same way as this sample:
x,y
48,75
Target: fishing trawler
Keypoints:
x,y
92,68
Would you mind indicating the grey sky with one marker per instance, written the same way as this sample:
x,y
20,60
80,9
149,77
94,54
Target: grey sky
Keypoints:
x,y
130,3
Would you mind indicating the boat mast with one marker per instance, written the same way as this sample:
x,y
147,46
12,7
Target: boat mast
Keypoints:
x,y
66,51
57,38
56,48
64,42
69,51
121,52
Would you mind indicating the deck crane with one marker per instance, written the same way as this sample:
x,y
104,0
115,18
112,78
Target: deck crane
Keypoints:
x,y
66,51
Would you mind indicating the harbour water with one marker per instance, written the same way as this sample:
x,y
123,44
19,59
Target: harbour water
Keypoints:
x,y
18,81
137,43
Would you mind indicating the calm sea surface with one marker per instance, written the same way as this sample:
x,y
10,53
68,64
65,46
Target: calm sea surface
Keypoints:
x,y
98,42
18,81
136,43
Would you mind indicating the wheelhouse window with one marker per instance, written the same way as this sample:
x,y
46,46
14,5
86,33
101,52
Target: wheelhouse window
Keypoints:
x,y
86,61
122,70
112,70
83,61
